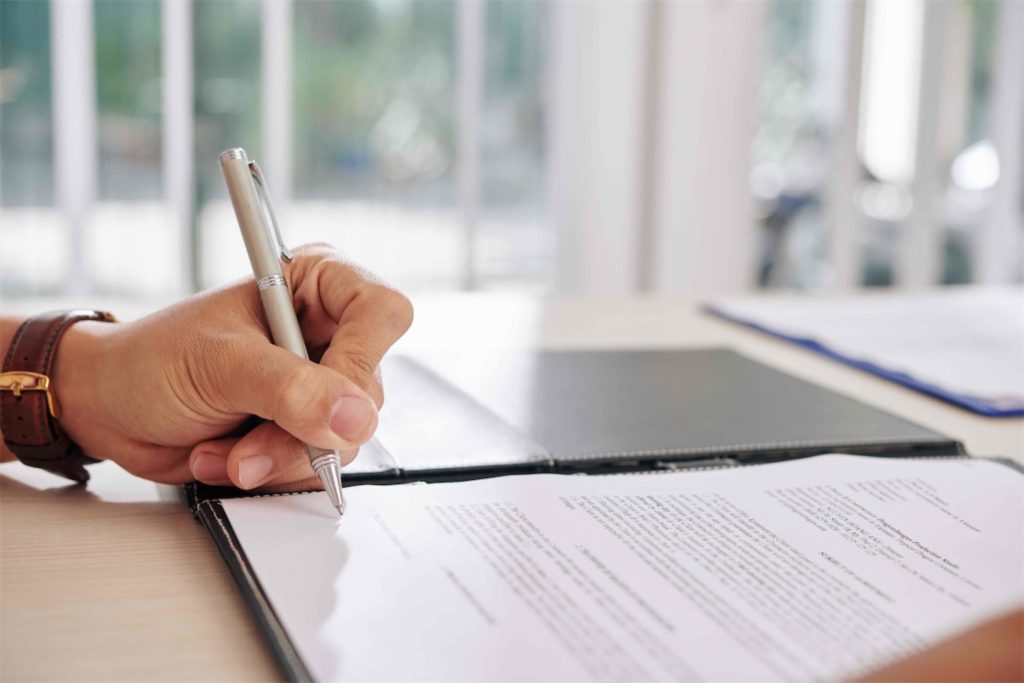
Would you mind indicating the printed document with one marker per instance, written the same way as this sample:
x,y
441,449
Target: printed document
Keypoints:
x,y
820,568
965,341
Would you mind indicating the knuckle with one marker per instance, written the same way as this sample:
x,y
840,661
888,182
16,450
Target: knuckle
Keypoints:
x,y
357,366
396,307
298,397
309,260
363,367
315,248
402,311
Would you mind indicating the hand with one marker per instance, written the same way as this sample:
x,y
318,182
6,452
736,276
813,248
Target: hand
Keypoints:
x,y
992,651
169,396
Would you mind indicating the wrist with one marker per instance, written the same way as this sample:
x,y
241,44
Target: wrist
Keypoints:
x,y
80,372
8,327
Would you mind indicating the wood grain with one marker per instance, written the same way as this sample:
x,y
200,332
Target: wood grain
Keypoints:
x,y
116,581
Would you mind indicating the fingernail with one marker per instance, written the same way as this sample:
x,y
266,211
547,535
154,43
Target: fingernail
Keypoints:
x,y
252,471
352,416
210,467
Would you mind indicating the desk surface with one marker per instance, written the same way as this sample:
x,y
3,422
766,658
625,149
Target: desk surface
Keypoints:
x,y
117,581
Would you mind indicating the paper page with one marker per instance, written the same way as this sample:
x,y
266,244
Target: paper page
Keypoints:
x,y
818,568
968,341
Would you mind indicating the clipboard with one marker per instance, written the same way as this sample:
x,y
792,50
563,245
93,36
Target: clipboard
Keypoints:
x,y
763,323
576,378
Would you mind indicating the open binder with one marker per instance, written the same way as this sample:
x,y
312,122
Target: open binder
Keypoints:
x,y
453,418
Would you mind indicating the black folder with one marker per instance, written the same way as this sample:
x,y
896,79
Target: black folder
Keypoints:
x,y
451,417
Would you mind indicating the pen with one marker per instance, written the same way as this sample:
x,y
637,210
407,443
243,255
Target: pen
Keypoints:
x,y
267,250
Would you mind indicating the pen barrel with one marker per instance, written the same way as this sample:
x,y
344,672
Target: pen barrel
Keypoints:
x,y
277,306
276,296
286,333
263,251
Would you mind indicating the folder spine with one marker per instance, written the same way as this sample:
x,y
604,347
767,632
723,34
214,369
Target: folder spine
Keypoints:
x,y
211,514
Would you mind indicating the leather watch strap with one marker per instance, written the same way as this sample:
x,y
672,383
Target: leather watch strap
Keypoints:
x,y
28,406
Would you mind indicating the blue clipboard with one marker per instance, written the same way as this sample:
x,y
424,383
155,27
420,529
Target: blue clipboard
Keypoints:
x,y
981,406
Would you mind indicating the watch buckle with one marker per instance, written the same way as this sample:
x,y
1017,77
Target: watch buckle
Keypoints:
x,y
18,381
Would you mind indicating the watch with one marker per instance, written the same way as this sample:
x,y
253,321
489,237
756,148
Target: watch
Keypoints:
x,y
29,411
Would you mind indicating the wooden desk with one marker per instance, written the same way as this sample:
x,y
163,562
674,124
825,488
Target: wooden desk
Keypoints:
x,y
118,582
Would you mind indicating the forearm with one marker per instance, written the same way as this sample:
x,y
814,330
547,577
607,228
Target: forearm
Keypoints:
x,y
8,326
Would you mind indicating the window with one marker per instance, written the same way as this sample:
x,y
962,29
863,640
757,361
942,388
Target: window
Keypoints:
x,y
26,144
925,98
373,141
541,145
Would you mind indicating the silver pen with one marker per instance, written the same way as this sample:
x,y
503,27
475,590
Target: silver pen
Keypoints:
x,y
266,251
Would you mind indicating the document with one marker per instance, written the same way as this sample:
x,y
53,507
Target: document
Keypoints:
x,y
820,568
962,343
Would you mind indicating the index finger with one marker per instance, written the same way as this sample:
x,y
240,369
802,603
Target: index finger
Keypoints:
x,y
367,315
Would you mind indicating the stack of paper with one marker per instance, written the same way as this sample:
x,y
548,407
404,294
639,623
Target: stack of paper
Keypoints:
x,y
813,569
963,345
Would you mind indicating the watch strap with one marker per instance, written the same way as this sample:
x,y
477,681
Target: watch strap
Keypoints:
x,y
29,410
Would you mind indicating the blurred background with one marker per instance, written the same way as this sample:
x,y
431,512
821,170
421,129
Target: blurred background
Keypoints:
x,y
582,147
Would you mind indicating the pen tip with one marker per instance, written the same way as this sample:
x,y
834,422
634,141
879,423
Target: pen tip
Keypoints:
x,y
340,508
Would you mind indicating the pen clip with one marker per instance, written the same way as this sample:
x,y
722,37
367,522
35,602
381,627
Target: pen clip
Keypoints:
x,y
268,208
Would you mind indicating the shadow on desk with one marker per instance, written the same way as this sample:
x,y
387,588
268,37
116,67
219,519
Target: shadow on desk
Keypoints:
x,y
70,497
108,483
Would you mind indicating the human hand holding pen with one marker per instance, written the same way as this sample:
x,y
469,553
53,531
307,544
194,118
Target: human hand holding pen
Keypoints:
x,y
166,396
267,252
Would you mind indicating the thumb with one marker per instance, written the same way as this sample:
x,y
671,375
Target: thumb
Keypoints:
x,y
315,404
